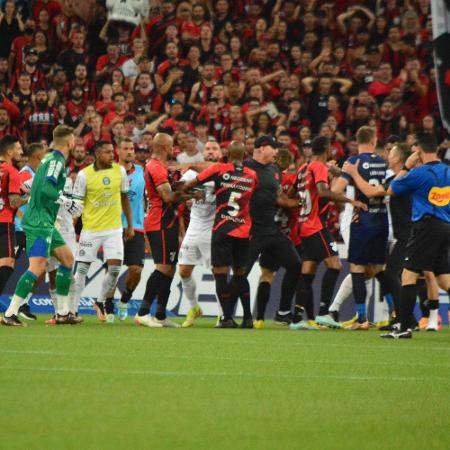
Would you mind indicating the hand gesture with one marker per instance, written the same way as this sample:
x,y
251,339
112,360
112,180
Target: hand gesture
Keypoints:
x,y
351,169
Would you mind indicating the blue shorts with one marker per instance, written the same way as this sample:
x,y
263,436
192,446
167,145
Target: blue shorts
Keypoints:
x,y
368,244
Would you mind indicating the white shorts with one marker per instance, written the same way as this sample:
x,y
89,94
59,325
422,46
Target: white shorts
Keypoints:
x,y
196,249
71,241
91,241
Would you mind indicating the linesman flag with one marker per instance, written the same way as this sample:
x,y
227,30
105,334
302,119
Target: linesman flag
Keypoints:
x,y
440,10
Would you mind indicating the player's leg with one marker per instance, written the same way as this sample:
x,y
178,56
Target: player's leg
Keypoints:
x,y
263,293
134,259
7,256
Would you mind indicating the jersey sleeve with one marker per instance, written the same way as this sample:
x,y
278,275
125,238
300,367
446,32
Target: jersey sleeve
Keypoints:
x,y
345,175
406,185
54,170
320,172
208,174
14,182
124,185
158,175
79,188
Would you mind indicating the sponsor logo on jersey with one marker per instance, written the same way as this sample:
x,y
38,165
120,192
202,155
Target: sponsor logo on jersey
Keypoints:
x,y
226,176
439,196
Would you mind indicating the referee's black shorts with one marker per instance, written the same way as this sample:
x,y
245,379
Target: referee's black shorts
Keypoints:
x,y
428,246
7,240
274,251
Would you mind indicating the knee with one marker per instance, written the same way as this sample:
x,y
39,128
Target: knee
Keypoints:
x,y
135,271
266,276
185,271
166,269
82,268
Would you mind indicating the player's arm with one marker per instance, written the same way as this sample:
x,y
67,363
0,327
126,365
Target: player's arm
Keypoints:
x,y
337,197
169,196
208,174
14,191
16,201
366,188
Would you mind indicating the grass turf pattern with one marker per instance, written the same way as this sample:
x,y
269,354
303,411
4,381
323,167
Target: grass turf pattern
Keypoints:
x,y
114,386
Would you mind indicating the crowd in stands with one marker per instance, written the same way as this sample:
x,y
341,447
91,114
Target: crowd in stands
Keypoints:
x,y
231,70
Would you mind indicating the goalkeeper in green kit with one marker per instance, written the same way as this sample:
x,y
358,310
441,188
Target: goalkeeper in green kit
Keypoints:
x,y
42,238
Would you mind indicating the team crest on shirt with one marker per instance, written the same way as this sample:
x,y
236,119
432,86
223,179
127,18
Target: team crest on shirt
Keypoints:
x,y
366,165
106,181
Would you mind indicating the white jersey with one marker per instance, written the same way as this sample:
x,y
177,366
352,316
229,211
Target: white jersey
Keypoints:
x,y
202,211
64,220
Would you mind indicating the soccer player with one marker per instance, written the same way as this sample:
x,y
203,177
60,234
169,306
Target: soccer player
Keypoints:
x,y
429,242
42,238
134,249
35,153
10,200
267,240
196,246
318,245
103,186
369,234
234,185
162,227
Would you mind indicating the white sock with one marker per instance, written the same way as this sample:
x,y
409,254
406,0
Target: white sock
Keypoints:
x,y
219,308
54,298
63,305
73,304
369,290
109,282
27,299
343,293
79,282
14,306
433,320
189,289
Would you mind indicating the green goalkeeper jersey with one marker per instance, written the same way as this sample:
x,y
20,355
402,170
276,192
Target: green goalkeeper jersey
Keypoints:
x,y
47,186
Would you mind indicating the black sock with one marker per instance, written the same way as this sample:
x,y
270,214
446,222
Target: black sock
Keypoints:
x,y
241,287
299,314
305,296
328,284
126,295
262,298
224,295
359,293
409,294
423,297
153,286
288,288
5,273
109,305
163,297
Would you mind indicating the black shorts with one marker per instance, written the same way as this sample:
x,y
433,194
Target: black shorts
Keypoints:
x,y
368,244
134,250
164,245
428,247
229,251
318,246
21,243
274,251
7,240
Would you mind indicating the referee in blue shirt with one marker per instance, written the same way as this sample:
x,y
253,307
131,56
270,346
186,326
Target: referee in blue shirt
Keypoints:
x,y
427,180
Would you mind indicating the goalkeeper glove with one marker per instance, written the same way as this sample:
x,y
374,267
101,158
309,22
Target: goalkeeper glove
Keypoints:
x,y
74,207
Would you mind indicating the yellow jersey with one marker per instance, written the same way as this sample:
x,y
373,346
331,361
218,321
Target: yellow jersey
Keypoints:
x,y
101,192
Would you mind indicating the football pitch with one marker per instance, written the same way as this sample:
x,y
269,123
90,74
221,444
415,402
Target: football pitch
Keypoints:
x,y
118,386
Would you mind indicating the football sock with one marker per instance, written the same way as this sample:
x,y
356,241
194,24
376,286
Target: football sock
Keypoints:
x,y
423,297
262,298
239,284
288,288
23,288
343,293
189,289
328,284
81,271
5,273
126,295
359,293
109,305
73,303
163,297
27,298
54,298
63,281
409,294
305,297
299,314
390,302
433,321
109,282
154,283
223,294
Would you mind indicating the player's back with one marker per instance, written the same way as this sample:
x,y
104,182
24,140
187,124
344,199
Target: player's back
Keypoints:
x,y
234,187
48,183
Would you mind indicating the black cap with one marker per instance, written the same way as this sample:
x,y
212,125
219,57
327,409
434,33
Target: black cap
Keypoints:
x,y
141,110
31,51
261,141
373,49
213,100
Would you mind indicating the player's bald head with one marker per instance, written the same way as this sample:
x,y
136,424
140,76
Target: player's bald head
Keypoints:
x,y
236,151
162,142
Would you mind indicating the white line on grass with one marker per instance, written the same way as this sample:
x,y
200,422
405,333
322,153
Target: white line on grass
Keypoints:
x,y
223,374
155,355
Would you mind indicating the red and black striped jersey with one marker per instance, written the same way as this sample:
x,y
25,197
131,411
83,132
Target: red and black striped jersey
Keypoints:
x,y
161,215
234,186
9,184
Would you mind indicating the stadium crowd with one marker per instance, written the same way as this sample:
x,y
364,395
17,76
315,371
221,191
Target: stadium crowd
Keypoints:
x,y
189,83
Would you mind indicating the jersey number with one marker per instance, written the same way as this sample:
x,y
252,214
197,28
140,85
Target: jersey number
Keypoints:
x,y
232,203
305,200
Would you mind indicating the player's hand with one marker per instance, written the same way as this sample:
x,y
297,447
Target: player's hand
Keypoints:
x,y
359,205
129,234
351,169
72,206
413,159
199,195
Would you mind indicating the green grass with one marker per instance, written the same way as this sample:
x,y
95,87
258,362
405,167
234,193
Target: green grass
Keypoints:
x,y
100,386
